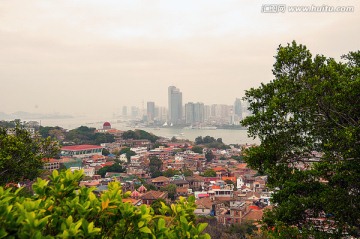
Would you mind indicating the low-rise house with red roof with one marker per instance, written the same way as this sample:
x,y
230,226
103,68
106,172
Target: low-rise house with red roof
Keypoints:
x,y
81,151
203,206
160,181
184,192
195,182
51,164
149,197
89,171
180,183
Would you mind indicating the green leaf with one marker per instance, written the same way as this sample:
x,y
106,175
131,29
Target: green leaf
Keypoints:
x,y
161,223
145,230
141,223
201,227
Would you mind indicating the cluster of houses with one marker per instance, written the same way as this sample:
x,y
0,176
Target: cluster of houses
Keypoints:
x,y
233,194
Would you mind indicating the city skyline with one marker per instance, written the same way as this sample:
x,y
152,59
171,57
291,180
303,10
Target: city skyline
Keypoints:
x,y
92,58
178,112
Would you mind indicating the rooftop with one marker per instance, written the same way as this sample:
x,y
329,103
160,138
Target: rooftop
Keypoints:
x,y
80,147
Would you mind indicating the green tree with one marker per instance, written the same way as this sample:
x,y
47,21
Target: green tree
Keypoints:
x,y
171,172
197,149
157,205
128,153
155,166
60,208
238,158
199,140
105,152
86,135
209,156
209,173
171,190
187,172
21,155
312,105
115,168
139,134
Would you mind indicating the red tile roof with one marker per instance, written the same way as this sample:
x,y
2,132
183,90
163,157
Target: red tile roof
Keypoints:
x,y
153,195
204,202
81,147
254,215
229,178
254,207
219,168
160,179
241,165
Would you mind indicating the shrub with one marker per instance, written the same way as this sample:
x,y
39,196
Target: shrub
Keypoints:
x,y
60,208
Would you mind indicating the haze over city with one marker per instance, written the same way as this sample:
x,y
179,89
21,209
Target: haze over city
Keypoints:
x,y
93,57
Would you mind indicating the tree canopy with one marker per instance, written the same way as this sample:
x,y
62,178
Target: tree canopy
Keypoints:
x,y
307,120
139,134
211,142
115,168
21,154
86,135
155,166
209,173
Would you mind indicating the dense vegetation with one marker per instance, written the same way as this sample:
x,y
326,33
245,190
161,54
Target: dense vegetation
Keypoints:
x,y
86,135
155,167
21,155
308,121
60,208
115,168
211,142
80,135
139,134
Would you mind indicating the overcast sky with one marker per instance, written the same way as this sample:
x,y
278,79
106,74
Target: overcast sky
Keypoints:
x,y
92,57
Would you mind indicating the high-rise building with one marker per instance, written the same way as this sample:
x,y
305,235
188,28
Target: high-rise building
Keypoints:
x,y
238,108
175,106
150,111
199,112
194,113
162,114
124,111
189,113
207,112
134,112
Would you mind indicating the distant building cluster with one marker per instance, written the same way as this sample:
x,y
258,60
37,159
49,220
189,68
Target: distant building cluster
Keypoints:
x,y
191,114
223,186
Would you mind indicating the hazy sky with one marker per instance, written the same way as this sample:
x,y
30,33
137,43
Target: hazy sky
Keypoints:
x,y
93,57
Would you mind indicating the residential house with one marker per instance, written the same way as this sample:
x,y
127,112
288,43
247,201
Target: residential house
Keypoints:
x,y
149,197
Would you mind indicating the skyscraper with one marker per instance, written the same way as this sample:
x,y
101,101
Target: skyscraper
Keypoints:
x,y
150,110
194,113
189,113
175,105
124,111
238,108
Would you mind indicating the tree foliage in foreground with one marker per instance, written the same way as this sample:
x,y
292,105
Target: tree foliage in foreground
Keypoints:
x,y
62,209
312,105
21,155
